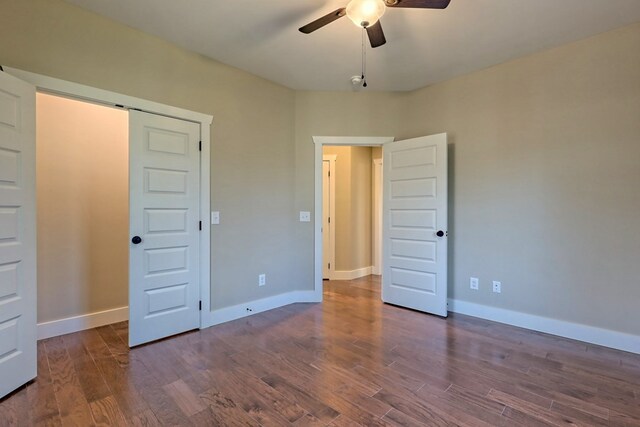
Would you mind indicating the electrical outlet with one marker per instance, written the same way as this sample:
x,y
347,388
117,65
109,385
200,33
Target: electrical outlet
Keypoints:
x,y
262,280
497,287
474,283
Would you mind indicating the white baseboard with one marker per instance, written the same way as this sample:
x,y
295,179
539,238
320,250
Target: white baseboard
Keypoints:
x,y
576,331
69,325
351,274
239,311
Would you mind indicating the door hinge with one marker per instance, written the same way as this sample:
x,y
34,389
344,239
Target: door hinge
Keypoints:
x,y
200,305
329,266
200,225
200,146
329,174
329,219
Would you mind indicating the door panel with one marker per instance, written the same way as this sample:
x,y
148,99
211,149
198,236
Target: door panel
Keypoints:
x,y
164,181
17,234
414,209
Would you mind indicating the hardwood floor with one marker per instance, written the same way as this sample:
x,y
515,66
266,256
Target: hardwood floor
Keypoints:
x,y
350,361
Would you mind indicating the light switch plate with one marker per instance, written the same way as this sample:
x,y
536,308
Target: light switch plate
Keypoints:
x,y
305,216
215,218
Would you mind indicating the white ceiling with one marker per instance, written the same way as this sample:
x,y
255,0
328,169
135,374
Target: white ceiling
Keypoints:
x,y
423,46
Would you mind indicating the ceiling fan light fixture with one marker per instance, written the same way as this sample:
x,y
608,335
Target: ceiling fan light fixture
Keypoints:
x,y
356,81
365,13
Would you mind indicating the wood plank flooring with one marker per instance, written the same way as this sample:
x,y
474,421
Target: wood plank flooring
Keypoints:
x,y
347,362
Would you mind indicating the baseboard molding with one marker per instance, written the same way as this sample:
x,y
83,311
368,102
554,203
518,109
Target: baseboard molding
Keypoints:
x,y
69,325
351,274
576,331
239,311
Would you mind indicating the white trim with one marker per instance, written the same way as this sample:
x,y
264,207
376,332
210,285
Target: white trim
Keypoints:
x,y
70,325
363,141
90,94
352,274
590,334
319,141
239,311
331,158
205,216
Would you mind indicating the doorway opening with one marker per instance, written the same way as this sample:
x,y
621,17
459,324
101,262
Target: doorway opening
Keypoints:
x,y
352,211
82,191
164,180
320,142
414,219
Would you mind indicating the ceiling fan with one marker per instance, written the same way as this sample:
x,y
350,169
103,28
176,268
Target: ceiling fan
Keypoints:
x,y
367,13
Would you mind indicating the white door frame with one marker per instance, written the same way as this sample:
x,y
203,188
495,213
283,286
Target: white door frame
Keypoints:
x,y
320,141
376,253
331,158
77,91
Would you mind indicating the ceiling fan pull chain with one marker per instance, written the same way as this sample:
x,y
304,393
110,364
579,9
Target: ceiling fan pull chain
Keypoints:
x,y
362,54
364,58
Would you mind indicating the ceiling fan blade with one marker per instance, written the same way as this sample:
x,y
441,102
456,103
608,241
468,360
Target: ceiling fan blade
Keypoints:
x,y
419,4
326,19
376,35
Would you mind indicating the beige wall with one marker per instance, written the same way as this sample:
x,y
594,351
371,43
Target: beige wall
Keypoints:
x,y
333,114
543,170
361,163
252,161
83,207
353,206
544,180
543,174
376,153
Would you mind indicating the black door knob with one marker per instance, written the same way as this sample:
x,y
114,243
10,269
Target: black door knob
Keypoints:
x,y
440,233
136,240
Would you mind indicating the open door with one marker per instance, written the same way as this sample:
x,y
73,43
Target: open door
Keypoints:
x,y
415,224
164,202
18,333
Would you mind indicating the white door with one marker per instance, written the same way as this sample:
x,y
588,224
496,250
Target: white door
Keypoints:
x,y
415,224
326,220
164,181
17,233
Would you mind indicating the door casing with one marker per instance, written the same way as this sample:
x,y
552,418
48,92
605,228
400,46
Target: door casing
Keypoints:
x,y
319,142
77,91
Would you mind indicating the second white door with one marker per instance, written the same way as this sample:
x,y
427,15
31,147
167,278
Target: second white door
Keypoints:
x,y
17,233
164,179
415,224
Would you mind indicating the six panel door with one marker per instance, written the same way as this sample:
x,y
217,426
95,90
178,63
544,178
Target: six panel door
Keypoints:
x,y
415,224
17,234
164,168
